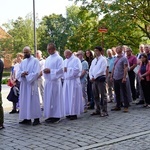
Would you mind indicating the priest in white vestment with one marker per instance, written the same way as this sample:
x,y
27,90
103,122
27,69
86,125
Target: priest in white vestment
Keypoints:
x,y
53,97
72,89
29,96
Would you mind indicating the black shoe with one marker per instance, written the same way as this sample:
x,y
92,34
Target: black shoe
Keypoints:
x,y
13,112
49,120
25,121
140,103
55,120
36,122
68,117
90,107
73,117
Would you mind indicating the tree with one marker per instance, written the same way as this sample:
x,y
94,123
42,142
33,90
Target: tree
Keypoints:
x,y
128,21
83,31
52,29
21,31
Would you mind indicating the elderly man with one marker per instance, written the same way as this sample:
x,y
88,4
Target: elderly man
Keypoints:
x,y
110,60
29,96
83,77
97,75
1,107
119,74
53,100
72,89
41,78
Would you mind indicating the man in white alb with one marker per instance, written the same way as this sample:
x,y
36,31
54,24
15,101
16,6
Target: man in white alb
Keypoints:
x,y
53,97
29,96
72,89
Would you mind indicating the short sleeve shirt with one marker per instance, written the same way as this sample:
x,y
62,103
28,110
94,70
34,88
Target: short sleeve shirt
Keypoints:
x,y
85,66
119,67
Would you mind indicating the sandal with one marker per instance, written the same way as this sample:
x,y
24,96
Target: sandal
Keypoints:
x,y
95,113
145,105
104,115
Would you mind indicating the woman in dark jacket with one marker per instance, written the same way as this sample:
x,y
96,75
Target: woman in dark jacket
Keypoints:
x,y
144,74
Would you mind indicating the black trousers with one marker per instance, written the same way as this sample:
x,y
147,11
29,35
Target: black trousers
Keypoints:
x,y
90,93
146,90
118,85
132,83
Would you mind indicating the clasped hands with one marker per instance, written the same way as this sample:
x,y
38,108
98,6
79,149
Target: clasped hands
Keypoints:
x,y
47,71
24,74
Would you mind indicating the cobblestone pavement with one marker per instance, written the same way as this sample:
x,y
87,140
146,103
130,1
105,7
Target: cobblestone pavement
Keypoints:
x,y
119,131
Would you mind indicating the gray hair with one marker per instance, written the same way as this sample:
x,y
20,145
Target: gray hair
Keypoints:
x,y
80,52
109,50
67,50
38,51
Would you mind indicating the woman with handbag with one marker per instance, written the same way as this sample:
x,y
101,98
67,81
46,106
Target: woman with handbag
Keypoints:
x,y
13,95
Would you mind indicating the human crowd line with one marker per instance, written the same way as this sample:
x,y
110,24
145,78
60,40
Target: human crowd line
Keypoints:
x,y
60,88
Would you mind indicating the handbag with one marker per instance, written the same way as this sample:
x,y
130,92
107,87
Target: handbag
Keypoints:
x,y
9,83
101,78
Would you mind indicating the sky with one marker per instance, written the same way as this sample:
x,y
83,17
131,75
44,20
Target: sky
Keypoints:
x,y
12,9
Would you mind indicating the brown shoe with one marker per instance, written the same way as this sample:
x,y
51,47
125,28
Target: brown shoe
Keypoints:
x,y
116,109
125,110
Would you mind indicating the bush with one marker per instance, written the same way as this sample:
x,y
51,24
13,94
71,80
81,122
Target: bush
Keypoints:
x,y
4,81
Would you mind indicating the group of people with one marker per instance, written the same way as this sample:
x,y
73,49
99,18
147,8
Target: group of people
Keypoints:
x,y
80,82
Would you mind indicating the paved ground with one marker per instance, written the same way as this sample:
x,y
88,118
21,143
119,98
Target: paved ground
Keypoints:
x,y
119,131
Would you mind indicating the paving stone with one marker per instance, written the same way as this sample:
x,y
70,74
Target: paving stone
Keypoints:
x,y
81,133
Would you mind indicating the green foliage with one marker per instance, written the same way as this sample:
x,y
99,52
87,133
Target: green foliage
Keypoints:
x,y
83,29
22,32
128,21
53,28
4,81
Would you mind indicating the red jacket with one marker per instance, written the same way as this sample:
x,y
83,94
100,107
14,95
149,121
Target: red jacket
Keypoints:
x,y
147,71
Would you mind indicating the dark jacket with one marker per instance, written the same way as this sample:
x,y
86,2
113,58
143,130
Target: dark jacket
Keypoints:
x,y
1,72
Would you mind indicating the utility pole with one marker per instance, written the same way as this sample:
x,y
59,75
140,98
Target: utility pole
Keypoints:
x,y
35,48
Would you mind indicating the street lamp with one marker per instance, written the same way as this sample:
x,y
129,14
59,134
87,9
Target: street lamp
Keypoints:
x,y
102,30
34,28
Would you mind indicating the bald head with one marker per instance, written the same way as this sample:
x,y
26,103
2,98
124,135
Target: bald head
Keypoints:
x,y
67,53
27,48
27,52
